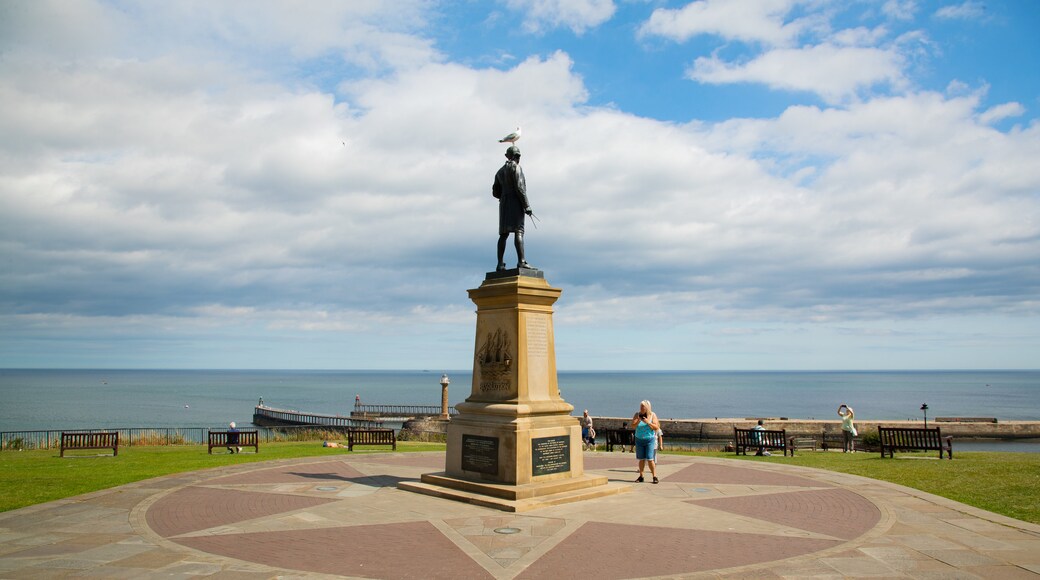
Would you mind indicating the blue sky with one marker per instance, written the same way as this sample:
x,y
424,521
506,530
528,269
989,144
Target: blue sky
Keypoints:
x,y
740,184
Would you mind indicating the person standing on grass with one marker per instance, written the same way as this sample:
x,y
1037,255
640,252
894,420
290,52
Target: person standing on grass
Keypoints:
x,y
646,425
848,429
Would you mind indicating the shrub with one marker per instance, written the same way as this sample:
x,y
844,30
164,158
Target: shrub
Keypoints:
x,y
870,439
156,438
422,436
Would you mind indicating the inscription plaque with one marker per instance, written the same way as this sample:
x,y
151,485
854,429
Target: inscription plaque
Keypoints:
x,y
537,336
480,454
550,455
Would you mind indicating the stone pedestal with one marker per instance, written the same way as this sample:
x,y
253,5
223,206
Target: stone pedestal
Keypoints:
x,y
514,444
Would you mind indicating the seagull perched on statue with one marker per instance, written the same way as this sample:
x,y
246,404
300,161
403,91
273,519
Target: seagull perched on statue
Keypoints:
x,y
512,137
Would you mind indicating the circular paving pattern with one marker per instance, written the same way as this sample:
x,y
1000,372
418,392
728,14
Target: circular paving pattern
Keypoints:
x,y
345,516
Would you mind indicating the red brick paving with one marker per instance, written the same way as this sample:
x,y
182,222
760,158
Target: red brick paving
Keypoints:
x,y
58,540
609,462
198,508
324,472
603,551
405,460
725,474
834,512
406,550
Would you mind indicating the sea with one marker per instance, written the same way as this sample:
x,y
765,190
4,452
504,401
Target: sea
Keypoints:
x,y
69,399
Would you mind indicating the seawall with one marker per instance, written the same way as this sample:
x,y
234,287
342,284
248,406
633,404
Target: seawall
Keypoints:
x,y
721,429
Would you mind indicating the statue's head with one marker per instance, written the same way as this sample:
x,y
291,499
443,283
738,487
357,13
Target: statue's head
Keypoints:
x,y
513,152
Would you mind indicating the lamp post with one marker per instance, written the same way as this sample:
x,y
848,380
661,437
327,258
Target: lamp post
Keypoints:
x,y
924,408
444,396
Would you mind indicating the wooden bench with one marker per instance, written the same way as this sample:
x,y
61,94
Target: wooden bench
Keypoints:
x,y
245,439
621,437
801,443
97,440
754,439
914,439
371,437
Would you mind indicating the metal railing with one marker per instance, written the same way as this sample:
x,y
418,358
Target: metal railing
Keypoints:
x,y
401,410
139,436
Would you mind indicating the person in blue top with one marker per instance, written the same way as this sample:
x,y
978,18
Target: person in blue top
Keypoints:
x,y
646,425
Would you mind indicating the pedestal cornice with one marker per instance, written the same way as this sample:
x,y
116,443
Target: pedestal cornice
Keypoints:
x,y
516,291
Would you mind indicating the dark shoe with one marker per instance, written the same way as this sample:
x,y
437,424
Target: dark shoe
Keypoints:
x,y
525,265
501,267
656,481
640,480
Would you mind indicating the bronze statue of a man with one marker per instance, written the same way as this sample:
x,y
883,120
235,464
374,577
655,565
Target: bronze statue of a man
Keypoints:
x,y
511,191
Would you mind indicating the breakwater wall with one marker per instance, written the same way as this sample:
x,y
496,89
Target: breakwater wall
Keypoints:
x,y
722,429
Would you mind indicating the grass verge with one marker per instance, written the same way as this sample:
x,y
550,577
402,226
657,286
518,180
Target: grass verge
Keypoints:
x,y
1003,483
37,476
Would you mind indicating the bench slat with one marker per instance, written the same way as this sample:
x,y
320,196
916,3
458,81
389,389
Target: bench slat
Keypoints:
x,y
914,439
760,439
620,438
371,437
245,439
98,440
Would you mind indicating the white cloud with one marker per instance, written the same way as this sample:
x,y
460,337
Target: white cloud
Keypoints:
x,y
836,73
1001,112
262,34
155,195
802,53
578,15
899,9
195,193
760,21
969,10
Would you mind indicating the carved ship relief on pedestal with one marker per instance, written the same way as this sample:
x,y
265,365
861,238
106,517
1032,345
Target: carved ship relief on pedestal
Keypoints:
x,y
495,362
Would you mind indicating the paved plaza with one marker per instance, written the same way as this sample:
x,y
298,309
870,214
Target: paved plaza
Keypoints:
x,y
343,516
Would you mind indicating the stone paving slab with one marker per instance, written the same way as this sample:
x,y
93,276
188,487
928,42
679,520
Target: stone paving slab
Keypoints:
x,y
342,516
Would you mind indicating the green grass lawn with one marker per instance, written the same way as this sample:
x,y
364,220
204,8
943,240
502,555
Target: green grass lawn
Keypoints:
x,y
36,476
1005,483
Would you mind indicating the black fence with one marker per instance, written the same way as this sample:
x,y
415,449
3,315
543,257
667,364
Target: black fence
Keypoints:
x,y
131,436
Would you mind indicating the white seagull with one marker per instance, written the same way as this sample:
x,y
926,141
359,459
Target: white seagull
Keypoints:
x,y
512,137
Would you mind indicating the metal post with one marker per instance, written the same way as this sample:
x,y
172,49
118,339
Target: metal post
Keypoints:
x,y
924,408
